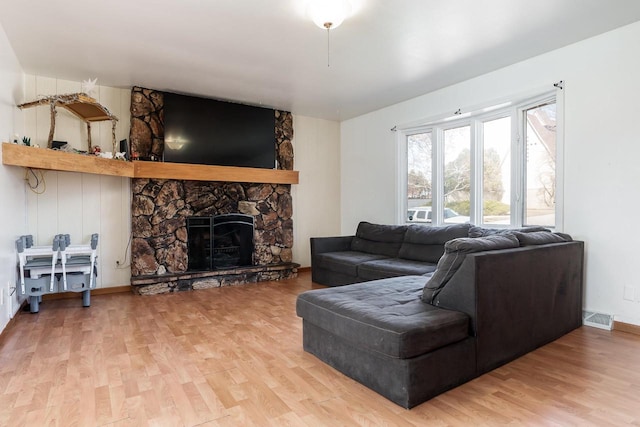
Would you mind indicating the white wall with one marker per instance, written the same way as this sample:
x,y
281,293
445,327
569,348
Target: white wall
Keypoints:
x,y
12,207
601,154
76,203
316,199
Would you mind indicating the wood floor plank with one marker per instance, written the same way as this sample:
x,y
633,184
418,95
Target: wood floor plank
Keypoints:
x,y
233,356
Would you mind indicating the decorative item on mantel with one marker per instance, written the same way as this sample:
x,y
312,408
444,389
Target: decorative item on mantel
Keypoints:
x,y
82,106
89,87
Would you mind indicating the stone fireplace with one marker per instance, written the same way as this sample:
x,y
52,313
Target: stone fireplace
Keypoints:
x,y
161,209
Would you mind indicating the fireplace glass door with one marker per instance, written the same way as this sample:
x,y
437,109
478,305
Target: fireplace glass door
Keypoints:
x,y
200,243
220,242
232,240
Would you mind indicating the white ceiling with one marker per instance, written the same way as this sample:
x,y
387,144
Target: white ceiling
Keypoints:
x,y
267,52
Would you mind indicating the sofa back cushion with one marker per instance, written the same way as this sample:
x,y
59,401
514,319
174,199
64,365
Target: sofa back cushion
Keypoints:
x,y
541,238
425,243
378,239
455,252
475,231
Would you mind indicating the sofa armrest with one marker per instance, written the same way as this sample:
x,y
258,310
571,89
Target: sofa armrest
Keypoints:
x,y
321,245
518,299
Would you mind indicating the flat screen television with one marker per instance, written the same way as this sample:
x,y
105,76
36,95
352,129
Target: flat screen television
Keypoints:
x,y
211,132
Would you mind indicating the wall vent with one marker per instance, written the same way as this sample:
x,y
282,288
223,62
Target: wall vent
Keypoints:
x,y
597,320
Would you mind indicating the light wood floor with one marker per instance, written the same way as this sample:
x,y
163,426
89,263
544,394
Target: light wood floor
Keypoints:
x,y
233,357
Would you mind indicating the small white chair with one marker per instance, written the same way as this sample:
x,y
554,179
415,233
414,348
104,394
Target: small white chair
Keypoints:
x,y
78,259
40,263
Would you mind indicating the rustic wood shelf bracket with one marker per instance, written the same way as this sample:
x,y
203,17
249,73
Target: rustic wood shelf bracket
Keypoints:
x,y
82,106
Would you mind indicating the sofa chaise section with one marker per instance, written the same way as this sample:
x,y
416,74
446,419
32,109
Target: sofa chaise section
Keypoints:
x,y
381,334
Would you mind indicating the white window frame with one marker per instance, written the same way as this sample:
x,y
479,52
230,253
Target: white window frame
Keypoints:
x,y
520,156
475,118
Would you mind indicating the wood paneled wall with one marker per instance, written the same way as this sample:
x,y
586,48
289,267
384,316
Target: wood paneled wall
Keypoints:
x,y
75,203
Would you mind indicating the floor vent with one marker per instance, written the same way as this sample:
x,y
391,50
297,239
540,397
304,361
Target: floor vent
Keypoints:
x,y
597,320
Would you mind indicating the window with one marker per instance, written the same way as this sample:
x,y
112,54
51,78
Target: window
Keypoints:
x,y
496,171
419,173
494,167
540,180
457,171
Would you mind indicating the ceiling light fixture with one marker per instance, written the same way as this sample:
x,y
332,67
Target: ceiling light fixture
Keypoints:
x,y
328,14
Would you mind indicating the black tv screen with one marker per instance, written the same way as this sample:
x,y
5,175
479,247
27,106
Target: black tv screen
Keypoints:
x,y
211,132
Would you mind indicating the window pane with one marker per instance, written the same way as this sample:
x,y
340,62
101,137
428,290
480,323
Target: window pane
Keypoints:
x,y
496,171
457,174
418,176
540,194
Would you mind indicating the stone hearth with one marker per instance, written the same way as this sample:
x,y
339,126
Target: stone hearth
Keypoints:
x,y
151,285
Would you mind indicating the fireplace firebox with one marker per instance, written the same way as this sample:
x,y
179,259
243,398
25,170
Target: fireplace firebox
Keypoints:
x,y
220,241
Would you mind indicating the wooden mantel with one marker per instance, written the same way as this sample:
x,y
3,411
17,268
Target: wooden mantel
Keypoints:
x,y
41,158
44,158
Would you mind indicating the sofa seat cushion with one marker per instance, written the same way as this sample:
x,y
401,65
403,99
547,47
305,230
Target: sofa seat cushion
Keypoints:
x,y
384,316
345,262
392,267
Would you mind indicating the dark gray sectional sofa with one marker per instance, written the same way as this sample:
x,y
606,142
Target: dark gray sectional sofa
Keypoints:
x,y
491,299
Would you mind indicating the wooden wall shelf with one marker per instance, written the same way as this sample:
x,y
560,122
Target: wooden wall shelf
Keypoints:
x,y
43,158
40,158
213,173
